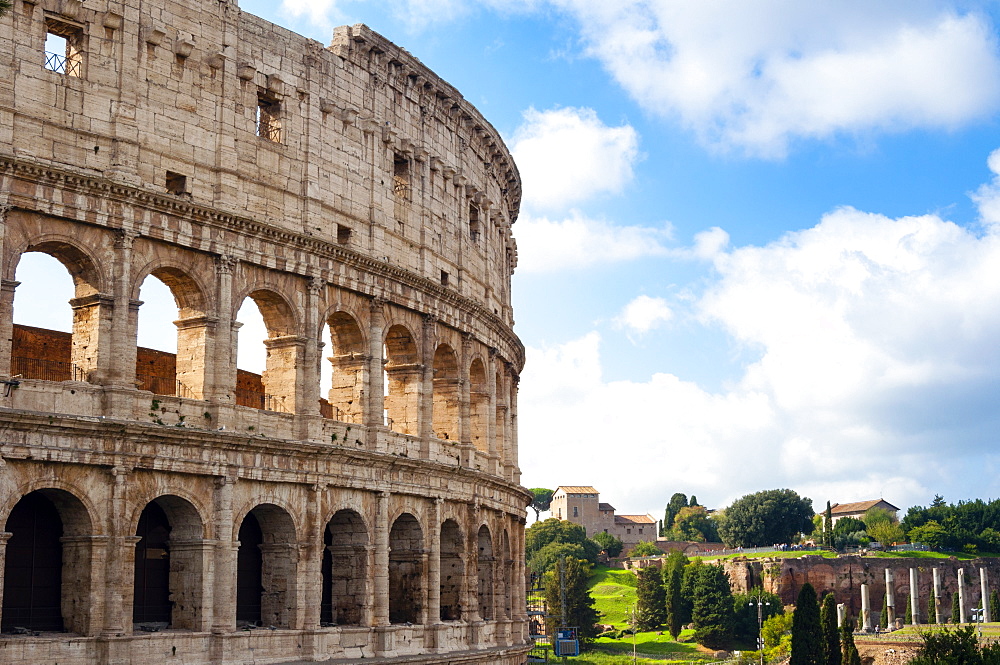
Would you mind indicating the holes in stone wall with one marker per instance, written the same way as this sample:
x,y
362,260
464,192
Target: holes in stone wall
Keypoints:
x,y
405,570
452,571
485,563
176,183
447,394
345,598
268,116
403,374
63,47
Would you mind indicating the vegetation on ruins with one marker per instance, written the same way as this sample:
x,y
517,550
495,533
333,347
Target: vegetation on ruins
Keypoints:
x,y
644,548
766,518
958,646
807,630
611,544
542,499
4,7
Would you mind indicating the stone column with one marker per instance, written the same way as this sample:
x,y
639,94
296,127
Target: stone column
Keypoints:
x,y
121,363
283,378
381,569
914,597
193,601
866,609
4,537
890,597
310,572
841,614
961,595
374,415
7,288
434,564
195,345
937,595
310,391
428,344
491,409
224,577
510,456
984,586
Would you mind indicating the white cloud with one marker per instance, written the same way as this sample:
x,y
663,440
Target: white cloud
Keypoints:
x,y
754,76
643,314
546,245
567,156
875,373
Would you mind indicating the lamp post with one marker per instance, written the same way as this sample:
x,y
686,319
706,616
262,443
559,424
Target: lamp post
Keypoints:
x,y
758,600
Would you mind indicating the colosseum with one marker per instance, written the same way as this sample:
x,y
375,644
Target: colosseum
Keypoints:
x,y
165,507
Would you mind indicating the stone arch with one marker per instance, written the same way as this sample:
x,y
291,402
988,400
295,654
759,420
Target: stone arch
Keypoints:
x,y
349,360
406,570
88,347
345,600
276,389
47,563
266,568
484,568
452,570
479,404
169,565
447,394
185,375
403,373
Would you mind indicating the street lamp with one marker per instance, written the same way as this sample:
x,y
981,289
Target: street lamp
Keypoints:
x,y
758,600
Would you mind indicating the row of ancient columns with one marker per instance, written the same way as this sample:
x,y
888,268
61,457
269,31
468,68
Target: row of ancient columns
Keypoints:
x,y
890,601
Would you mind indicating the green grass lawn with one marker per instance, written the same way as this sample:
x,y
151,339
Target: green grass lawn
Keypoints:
x,y
772,555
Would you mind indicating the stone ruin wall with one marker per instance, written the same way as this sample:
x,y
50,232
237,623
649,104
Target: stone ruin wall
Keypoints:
x,y
343,188
844,576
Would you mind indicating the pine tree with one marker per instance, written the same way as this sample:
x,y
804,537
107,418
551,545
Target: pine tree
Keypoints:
x,y
956,612
883,618
712,610
673,576
651,602
828,525
807,630
908,618
569,575
831,633
931,606
994,605
850,653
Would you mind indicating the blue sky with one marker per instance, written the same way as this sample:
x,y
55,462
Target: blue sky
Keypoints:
x,y
760,242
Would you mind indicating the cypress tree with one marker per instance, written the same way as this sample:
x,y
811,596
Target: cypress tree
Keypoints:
x,y
688,580
831,633
807,630
908,618
883,618
828,525
850,653
673,570
931,606
651,603
712,611
994,605
956,614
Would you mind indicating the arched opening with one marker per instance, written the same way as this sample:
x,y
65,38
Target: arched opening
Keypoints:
x,y
266,564
452,571
507,578
447,396
167,589
406,567
267,379
172,335
50,544
479,404
56,343
403,374
345,565
348,363
485,564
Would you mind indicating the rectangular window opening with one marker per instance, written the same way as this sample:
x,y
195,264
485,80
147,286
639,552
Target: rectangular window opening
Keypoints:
x,y
63,48
176,183
444,278
401,176
268,117
474,226
343,234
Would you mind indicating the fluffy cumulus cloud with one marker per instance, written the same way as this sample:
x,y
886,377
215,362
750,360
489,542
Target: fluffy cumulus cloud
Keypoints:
x,y
578,241
568,155
875,371
644,314
753,76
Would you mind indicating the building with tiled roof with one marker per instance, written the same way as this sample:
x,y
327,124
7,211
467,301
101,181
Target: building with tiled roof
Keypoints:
x,y
858,509
581,505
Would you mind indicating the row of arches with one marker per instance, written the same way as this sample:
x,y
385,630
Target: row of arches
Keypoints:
x,y
381,365
432,573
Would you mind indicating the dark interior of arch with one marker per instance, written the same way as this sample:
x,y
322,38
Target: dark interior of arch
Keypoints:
x,y
249,572
32,588
151,592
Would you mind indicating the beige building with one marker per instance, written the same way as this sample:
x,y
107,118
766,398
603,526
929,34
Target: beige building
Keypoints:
x,y
858,509
170,507
581,505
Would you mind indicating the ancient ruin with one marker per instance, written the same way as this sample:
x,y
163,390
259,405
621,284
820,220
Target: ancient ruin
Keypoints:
x,y
164,507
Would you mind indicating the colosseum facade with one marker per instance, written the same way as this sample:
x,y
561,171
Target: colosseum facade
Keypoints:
x,y
169,507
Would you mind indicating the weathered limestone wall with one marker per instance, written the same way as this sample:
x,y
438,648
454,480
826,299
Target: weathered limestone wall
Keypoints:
x,y
844,576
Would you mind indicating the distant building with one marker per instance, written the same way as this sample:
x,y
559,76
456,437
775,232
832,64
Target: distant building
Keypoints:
x,y
581,504
859,508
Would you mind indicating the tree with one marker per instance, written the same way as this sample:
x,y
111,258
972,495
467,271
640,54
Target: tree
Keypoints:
x,y
807,630
4,7
777,633
766,518
546,557
849,655
693,502
651,599
956,611
540,534
908,617
645,548
931,607
849,532
931,534
956,647
831,632
541,501
828,526
678,611
745,607
677,501
883,617
994,605
568,578
688,580
712,609
612,545
692,523
883,526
